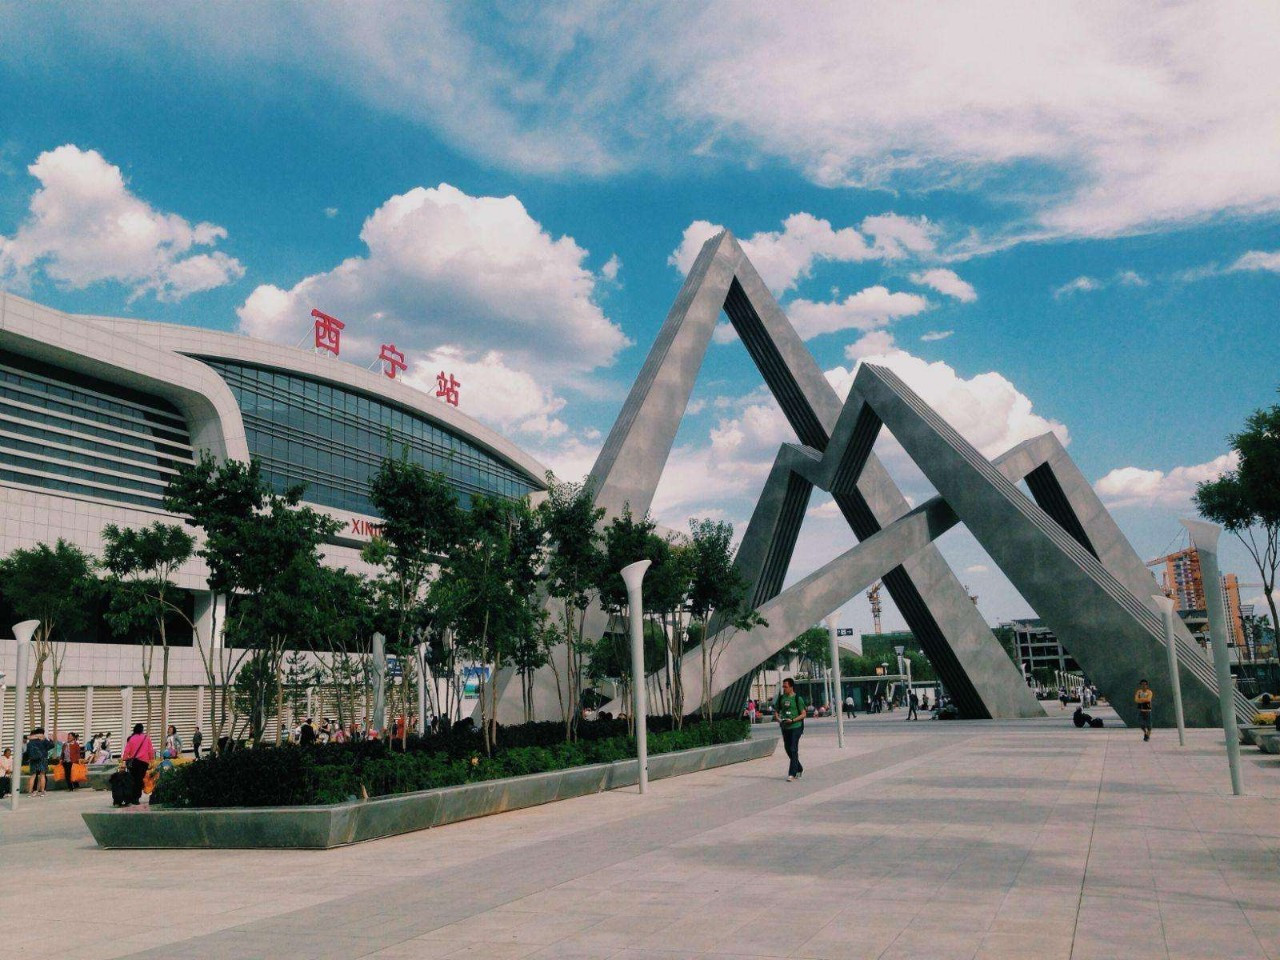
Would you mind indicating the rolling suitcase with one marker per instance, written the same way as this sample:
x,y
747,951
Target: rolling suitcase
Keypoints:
x,y
121,786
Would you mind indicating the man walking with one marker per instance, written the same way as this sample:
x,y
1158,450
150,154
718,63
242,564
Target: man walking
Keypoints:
x,y
1143,698
790,712
912,703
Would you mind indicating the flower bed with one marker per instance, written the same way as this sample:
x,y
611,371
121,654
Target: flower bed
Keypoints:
x,y
333,773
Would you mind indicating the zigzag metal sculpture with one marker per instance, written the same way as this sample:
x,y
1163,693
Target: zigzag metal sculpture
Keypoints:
x,y
1062,551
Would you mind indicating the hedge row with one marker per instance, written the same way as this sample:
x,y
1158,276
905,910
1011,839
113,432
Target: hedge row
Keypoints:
x,y
334,772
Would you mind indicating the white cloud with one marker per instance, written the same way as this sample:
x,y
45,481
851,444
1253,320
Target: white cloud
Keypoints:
x,y
865,310
1131,278
1131,115
898,236
785,257
611,267
1258,260
330,212
1078,285
946,282
933,335
491,391
1138,487
873,344
445,269
85,226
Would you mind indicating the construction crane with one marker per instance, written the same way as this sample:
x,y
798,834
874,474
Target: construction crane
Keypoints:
x,y
874,596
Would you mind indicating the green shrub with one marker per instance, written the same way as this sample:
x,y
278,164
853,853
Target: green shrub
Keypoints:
x,y
334,772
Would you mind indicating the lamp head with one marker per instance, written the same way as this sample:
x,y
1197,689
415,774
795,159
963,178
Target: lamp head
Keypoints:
x,y
633,574
899,650
24,631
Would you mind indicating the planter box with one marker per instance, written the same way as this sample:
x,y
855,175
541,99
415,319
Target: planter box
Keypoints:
x,y
325,826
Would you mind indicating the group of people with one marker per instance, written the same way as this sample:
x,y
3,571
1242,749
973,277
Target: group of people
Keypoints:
x,y
1086,695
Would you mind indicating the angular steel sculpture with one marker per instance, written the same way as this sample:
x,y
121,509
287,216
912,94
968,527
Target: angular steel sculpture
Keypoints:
x,y
975,669
1060,547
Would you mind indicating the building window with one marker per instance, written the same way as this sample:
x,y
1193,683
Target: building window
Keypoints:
x,y
66,432
333,440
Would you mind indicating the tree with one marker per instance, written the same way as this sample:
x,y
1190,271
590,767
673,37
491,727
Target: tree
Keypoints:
x,y
421,525
570,520
1246,500
666,588
487,590
262,551
141,594
719,605
56,586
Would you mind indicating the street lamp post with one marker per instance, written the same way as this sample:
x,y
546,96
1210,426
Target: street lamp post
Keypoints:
x,y
22,632
835,674
899,651
633,577
1204,537
1165,605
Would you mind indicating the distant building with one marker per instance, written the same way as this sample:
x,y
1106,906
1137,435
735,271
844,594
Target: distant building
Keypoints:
x,y
1183,581
1038,646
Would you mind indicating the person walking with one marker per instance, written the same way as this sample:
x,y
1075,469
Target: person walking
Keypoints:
x,y
850,707
790,710
37,754
197,738
306,733
71,755
912,703
173,742
1143,697
137,757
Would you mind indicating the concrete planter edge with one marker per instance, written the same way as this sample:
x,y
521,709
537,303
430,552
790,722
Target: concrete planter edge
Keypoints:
x,y
323,827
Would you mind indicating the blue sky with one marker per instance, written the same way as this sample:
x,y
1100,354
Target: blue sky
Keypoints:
x,y
1076,208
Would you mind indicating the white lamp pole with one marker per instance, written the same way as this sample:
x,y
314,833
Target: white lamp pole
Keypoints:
x,y
835,674
1204,537
1165,605
22,632
899,651
633,577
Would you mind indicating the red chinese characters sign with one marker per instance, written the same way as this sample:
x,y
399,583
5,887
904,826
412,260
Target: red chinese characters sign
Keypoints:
x,y
447,387
392,360
328,331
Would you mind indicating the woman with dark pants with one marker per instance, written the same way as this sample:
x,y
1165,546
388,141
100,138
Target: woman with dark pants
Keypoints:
x,y
137,757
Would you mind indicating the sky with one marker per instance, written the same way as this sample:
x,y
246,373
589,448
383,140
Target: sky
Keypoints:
x,y
1043,216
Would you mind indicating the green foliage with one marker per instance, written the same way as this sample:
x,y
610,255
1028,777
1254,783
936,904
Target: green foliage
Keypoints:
x,y
140,563
1246,501
255,689
331,773
813,648
54,585
574,568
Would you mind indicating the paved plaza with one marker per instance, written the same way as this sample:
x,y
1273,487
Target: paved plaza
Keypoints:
x,y
920,840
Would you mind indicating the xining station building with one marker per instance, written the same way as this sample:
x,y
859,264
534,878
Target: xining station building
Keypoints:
x,y
98,413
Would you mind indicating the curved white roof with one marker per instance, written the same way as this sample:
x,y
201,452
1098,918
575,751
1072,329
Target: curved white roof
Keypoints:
x,y
200,342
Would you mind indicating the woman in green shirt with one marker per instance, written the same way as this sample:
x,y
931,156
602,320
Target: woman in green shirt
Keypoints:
x,y
790,714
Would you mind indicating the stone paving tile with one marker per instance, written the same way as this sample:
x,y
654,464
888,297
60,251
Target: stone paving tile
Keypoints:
x,y
976,840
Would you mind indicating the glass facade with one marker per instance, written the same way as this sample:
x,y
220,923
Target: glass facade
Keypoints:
x,y
333,439
66,432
